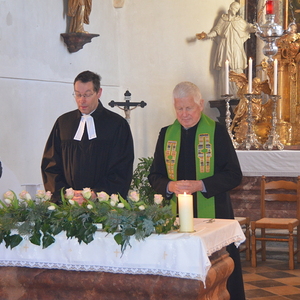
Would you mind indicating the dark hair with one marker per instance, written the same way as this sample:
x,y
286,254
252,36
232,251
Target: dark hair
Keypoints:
x,y
88,76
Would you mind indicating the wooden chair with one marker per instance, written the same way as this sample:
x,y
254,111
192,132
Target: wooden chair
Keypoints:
x,y
245,224
272,228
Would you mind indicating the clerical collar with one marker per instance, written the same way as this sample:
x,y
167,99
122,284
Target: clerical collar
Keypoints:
x,y
90,124
187,128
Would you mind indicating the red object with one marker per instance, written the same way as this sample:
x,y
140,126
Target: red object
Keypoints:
x,y
270,7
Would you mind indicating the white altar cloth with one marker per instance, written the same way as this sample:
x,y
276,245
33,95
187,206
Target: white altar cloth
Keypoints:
x,y
277,163
183,255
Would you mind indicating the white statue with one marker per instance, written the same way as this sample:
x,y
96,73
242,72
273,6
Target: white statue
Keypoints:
x,y
232,31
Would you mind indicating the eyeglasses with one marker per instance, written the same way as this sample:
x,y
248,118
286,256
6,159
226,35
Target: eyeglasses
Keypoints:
x,y
77,95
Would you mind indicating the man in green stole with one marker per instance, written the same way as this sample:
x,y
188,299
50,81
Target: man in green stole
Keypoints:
x,y
195,155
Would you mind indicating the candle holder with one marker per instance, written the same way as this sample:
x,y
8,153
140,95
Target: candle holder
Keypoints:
x,y
228,119
273,141
269,33
251,141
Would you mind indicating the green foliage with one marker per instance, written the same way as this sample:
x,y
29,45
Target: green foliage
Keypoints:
x,y
42,220
140,179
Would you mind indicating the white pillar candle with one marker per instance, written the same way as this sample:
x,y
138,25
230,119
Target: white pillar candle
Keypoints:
x,y
250,76
185,207
275,76
226,77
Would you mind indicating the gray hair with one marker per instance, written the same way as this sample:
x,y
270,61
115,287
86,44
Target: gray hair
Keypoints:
x,y
185,89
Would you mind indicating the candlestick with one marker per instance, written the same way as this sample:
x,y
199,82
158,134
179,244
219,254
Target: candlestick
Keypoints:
x,y
251,140
185,207
228,120
226,77
250,76
273,141
270,7
275,76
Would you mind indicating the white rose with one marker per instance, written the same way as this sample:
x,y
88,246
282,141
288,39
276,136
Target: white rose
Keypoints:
x,y
9,195
69,193
51,207
7,201
120,205
86,193
24,195
89,206
112,203
102,196
115,198
158,198
134,196
72,202
141,207
40,194
48,195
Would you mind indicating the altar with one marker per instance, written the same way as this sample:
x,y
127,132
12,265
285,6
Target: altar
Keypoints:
x,y
172,266
274,164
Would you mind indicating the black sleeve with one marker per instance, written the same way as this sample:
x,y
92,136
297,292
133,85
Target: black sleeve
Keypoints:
x,y
158,176
227,173
52,166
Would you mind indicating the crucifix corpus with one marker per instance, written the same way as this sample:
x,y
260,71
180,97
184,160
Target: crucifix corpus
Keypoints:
x,y
127,105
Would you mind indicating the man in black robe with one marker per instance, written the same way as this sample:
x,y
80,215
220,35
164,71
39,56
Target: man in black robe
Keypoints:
x,y
226,173
90,147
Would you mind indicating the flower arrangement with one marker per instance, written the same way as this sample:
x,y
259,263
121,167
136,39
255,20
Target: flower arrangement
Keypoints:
x,y
41,220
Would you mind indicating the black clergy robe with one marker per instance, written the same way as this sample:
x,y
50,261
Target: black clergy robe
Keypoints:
x,y
227,175
104,163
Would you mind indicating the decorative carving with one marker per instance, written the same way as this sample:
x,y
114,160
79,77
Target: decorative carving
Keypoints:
x,y
79,12
76,41
261,114
288,109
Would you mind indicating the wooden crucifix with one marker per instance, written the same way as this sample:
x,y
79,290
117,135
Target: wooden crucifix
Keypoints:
x,y
127,105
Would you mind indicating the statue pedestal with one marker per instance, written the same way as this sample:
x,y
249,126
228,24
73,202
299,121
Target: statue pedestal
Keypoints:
x,y
75,41
221,106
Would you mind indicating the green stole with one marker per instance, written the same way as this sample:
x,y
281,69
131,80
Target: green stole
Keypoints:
x,y
204,150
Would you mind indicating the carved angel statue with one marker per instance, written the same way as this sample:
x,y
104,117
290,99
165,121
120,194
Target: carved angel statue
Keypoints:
x,y
261,113
79,11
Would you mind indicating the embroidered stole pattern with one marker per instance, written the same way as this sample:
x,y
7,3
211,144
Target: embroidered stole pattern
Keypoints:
x,y
204,160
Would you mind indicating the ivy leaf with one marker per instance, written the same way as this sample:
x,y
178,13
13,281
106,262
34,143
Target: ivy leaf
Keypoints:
x,y
36,238
130,231
119,239
12,240
48,240
56,229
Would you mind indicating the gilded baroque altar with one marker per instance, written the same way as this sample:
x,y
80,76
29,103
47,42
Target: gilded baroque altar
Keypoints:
x,y
289,88
288,106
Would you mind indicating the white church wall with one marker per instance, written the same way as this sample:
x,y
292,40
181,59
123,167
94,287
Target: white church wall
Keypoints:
x,y
142,47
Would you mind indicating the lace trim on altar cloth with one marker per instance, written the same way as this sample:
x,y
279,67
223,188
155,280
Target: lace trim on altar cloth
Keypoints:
x,y
229,241
134,271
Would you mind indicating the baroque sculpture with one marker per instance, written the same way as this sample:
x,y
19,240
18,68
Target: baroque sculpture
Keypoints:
x,y
261,110
288,109
79,11
232,32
